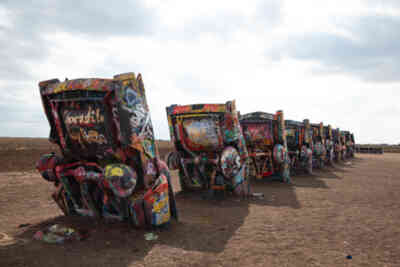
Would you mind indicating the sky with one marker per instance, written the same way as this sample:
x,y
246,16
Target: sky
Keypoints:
x,y
336,62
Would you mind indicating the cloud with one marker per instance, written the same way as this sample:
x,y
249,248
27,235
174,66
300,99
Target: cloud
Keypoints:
x,y
369,52
21,111
22,38
28,35
269,13
16,50
102,19
220,19
384,4
226,22
222,24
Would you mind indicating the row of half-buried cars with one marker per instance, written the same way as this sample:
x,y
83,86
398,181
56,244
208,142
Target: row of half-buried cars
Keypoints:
x,y
217,148
108,166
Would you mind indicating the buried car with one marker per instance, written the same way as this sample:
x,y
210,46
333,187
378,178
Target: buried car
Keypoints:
x,y
343,147
265,137
329,144
337,144
210,151
108,167
350,145
299,143
354,144
319,150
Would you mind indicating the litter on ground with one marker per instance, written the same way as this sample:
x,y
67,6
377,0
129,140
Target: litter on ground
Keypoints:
x,y
150,236
58,234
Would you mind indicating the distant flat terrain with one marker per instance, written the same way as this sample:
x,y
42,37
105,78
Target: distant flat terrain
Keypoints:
x,y
21,154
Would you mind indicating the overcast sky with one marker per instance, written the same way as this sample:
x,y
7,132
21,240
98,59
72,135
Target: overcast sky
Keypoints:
x,y
332,61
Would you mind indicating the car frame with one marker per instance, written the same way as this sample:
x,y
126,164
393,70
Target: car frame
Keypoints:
x,y
329,144
210,151
349,143
319,150
299,143
337,145
107,166
265,136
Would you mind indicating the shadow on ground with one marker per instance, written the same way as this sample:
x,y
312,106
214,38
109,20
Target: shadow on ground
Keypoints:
x,y
204,226
280,194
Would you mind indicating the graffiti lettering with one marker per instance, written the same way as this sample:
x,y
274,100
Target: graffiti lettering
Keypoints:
x,y
79,117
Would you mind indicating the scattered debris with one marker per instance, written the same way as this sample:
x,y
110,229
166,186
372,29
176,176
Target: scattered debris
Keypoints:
x,y
258,195
6,240
150,236
57,234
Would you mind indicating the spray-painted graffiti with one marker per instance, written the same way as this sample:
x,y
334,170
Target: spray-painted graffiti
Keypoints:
x,y
84,123
202,132
139,117
266,143
299,142
109,167
258,133
230,162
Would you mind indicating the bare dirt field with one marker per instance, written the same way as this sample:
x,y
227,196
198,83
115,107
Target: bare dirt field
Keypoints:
x,y
350,209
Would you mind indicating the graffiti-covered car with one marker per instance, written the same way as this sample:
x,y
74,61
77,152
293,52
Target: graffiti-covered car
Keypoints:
x,y
210,151
353,141
349,144
265,137
108,167
299,143
319,150
329,144
343,148
337,141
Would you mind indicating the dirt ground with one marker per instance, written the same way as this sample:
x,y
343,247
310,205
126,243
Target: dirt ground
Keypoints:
x,y
350,209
